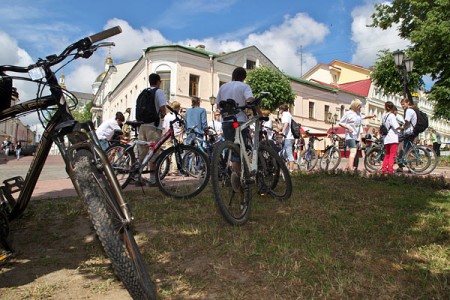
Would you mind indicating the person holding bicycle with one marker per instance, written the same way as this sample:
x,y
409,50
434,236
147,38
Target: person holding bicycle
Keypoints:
x,y
289,139
195,120
105,131
152,131
407,134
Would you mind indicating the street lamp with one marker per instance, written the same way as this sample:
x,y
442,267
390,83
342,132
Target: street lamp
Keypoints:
x,y
212,101
405,65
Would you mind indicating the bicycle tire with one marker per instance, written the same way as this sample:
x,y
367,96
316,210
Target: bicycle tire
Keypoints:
x,y
121,160
307,160
234,204
330,159
373,161
190,178
434,160
115,236
273,175
418,160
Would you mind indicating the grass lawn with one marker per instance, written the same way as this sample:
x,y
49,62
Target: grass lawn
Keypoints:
x,y
339,236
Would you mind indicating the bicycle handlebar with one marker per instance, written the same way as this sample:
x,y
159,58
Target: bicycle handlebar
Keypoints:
x,y
255,102
105,34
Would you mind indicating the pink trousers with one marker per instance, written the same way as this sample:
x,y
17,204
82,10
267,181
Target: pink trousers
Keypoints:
x,y
389,158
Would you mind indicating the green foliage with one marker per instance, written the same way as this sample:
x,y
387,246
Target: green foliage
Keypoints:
x,y
265,79
387,76
427,25
84,115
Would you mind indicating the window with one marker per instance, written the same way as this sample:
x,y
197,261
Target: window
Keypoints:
x,y
327,110
165,83
342,110
193,85
251,64
311,110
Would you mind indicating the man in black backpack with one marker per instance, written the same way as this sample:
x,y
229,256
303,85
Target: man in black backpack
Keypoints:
x,y
407,134
151,130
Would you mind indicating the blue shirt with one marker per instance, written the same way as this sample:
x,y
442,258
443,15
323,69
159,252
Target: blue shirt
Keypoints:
x,y
196,116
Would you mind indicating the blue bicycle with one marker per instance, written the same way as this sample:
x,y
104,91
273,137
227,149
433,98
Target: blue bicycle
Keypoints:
x,y
306,160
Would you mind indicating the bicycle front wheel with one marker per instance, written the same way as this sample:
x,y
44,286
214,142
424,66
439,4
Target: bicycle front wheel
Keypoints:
x,y
273,175
233,197
187,179
121,161
418,159
373,161
307,160
330,159
114,234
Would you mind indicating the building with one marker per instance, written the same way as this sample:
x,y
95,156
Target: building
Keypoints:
x,y
194,71
356,79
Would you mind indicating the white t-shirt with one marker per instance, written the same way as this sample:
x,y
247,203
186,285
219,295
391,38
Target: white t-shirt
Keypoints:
x,y
106,130
216,125
354,120
286,117
411,116
239,92
268,127
176,126
390,121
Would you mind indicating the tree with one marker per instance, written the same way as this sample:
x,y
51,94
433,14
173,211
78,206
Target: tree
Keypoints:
x,y
386,75
426,24
83,115
265,79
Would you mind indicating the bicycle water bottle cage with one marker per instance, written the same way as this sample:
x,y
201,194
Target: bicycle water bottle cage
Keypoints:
x,y
228,109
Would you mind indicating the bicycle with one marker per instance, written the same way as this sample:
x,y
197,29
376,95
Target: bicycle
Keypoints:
x,y
192,167
331,157
86,164
207,143
236,168
307,160
417,159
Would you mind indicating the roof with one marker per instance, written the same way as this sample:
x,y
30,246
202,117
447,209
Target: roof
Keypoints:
x,y
360,87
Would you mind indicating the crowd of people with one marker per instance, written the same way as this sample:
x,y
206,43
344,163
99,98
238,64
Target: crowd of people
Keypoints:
x,y
7,147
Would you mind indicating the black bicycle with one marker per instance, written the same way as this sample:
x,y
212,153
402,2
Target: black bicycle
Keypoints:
x,y
86,164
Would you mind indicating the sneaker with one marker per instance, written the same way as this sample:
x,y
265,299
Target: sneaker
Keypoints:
x,y
151,182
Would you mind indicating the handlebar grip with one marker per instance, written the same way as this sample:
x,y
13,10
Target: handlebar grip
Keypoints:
x,y
105,34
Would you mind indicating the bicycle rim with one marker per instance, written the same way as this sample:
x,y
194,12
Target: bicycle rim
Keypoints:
x,y
187,180
273,175
233,198
373,161
121,162
330,160
115,236
418,160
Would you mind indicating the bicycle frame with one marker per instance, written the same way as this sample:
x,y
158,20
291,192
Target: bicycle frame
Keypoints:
x,y
239,139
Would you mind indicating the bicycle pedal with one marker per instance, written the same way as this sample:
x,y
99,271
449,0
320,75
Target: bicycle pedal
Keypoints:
x,y
11,186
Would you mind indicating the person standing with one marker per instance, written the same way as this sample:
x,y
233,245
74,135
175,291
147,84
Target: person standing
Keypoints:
x,y
195,119
151,131
105,131
407,135
216,123
6,146
389,120
352,122
289,139
18,149
436,140
170,116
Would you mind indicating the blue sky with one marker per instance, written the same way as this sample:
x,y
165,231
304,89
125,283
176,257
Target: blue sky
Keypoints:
x,y
295,35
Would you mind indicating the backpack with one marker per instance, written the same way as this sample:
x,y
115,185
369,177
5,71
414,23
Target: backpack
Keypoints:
x,y
295,129
383,129
146,107
422,122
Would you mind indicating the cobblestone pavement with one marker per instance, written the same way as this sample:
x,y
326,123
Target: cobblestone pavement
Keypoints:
x,y
55,183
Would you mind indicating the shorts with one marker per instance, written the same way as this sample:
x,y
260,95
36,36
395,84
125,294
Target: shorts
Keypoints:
x,y
351,143
148,133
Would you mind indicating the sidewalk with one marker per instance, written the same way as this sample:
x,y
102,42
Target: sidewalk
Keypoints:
x,y
53,181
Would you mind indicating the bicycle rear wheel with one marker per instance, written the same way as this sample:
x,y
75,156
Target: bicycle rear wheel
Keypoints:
x,y
121,161
273,175
330,159
114,234
307,160
233,197
186,180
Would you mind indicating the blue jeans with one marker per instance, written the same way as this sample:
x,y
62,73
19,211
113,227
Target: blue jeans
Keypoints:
x,y
104,144
288,145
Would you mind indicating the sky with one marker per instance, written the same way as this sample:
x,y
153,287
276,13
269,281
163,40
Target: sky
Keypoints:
x,y
294,34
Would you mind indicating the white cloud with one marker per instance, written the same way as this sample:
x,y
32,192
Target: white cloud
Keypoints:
x,y
368,41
